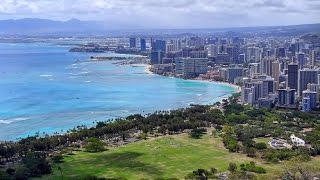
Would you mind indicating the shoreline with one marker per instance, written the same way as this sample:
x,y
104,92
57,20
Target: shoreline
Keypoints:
x,y
147,71
236,87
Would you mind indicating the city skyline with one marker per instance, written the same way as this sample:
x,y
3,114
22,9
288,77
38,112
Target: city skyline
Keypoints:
x,y
168,14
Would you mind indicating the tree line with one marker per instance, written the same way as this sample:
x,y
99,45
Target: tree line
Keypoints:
x,y
238,125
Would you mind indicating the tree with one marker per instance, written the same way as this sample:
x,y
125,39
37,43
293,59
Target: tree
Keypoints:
x,y
57,158
251,152
197,133
232,167
260,146
22,173
94,145
36,164
229,130
10,171
4,175
214,170
251,167
92,178
237,118
143,136
200,174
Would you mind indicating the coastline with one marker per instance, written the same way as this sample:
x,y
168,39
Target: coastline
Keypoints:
x,y
236,87
147,71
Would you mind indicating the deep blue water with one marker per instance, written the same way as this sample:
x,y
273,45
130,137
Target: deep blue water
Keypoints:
x,y
44,89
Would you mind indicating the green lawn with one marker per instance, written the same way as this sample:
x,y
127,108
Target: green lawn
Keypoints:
x,y
262,140
163,157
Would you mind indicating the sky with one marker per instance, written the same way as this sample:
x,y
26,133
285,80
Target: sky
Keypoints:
x,y
169,13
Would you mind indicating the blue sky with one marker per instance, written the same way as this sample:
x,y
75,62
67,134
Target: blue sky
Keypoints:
x,y
169,13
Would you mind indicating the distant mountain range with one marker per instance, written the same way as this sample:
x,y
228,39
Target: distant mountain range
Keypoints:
x,y
45,27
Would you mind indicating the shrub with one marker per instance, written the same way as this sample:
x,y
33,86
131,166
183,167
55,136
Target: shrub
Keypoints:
x,y
197,133
260,146
231,143
94,145
232,167
251,167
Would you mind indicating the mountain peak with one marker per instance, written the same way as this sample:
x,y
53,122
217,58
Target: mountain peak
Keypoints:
x,y
73,20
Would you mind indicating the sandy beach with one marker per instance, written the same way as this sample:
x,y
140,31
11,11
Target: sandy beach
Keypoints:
x,y
147,69
238,88
235,87
148,66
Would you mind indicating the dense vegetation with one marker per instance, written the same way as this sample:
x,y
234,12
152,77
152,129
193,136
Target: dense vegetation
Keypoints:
x,y
238,125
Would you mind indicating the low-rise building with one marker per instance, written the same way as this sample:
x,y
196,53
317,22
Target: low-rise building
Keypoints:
x,y
297,141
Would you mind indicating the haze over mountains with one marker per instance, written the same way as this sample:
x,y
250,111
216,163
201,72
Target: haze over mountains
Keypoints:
x,y
34,26
31,26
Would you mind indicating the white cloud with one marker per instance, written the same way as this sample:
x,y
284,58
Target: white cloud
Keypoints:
x,y
169,13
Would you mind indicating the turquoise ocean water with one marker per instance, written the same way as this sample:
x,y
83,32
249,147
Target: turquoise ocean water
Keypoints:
x,y
44,89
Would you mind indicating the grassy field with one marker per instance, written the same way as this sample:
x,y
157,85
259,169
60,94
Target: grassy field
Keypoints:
x,y
163,157
262,140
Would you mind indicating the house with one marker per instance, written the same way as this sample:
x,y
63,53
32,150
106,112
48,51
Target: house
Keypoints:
x,y
297,141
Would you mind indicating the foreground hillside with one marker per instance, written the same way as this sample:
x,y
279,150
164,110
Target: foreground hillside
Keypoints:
x,y
162,157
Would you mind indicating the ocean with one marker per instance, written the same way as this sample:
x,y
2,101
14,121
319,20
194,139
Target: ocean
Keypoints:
x,y
46,89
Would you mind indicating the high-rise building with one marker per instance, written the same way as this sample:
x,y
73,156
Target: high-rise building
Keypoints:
x,y
242,58
268,84
236,40
306,104
223,58
152,44
309,100
257,91
199,54
212,50
305,77
133,42
313,58
266,66
268,53
245,94
282,52
315,88
301,60
196,41
200,66
170,48
223,74
253,54
185,52
173,46
286,97
229,51
158,51
234,72
276,72
179,67
156,57
265,102
176,44
211,41
293,76
143,44
190,67
160,45
254,69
